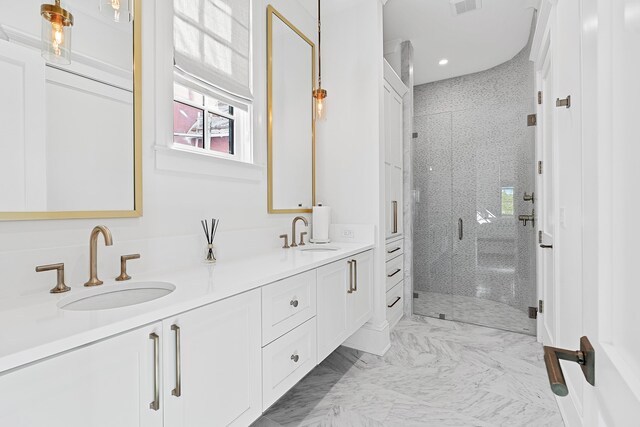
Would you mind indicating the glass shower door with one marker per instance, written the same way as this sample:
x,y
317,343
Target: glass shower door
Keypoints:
x,y
473,260
493,257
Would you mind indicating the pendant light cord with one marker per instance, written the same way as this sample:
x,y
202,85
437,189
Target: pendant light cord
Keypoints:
x,y
319,49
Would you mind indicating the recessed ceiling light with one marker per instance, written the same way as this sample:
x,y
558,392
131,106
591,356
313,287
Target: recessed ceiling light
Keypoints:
x,y
443,61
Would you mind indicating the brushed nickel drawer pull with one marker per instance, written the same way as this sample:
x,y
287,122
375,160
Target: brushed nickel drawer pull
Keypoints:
x,y
295,358
294,303
546,246
177,392
460,229
394,273
394,250
395,302
350,291
155,405
395,217
355,275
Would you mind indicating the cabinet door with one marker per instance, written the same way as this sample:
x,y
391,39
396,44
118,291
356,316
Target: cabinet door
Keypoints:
x,y
360,301
219,364
333,326
106,384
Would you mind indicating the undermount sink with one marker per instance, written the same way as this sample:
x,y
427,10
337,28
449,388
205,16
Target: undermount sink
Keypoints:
x,y
317,248
121,295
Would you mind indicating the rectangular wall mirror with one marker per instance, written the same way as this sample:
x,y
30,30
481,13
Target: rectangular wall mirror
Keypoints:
x,y
71,123
291,125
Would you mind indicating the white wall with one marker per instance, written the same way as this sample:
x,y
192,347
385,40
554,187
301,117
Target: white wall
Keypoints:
x,y
169,233
350,144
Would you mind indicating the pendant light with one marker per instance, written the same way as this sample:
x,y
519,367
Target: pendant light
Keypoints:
x,y
320,94
56,33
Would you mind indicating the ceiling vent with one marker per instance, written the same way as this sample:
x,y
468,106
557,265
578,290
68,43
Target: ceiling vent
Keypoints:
x,y
463,6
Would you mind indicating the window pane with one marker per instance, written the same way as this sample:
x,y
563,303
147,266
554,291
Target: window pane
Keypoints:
x,y
217,106
221,133
187,125
507,200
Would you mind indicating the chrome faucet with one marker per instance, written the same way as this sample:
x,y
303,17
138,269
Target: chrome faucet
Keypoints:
x,y
293,229
93,253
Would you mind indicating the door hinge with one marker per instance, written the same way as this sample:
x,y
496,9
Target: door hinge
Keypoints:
x,y
533,313
540,167
539,97
532,120
540,236
540,306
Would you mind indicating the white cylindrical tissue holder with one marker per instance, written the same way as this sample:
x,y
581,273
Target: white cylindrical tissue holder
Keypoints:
x,y
321,219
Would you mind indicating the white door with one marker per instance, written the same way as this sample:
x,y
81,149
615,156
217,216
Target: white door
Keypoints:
x,y
220,381
546,195
107,384
361,299
333,323
611,56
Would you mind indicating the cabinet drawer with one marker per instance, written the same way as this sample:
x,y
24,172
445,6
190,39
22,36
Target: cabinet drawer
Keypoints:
x,y
395,304
287,304
394,272
394,249
287,360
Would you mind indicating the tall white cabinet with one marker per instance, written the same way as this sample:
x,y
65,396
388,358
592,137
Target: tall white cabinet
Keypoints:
x,y
394,90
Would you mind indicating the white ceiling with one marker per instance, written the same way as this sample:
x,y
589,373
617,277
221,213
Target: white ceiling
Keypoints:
x,y
472,42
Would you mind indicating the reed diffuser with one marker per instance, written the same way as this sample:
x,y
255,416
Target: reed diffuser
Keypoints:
x,y
210,235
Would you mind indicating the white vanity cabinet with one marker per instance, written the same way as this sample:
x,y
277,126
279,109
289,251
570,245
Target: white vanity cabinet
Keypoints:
x,y
105,384
218,364
212,364
344,300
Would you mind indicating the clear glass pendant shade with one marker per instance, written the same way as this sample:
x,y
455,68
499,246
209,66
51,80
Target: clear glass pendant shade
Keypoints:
x,y
56,33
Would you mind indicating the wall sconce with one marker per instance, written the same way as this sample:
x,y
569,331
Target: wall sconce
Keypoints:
x,y
118,10
56,33
320,94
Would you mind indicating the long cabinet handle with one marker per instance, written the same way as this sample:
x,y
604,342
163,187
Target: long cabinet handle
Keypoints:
x,y
355,275
460,229
393,250
177,392
155,404
395,216
350,291
394,273
394,303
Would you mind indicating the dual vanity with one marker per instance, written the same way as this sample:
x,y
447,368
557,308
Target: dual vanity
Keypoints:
x,y
208,345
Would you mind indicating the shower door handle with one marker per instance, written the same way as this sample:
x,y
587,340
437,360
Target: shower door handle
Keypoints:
x,y
460,229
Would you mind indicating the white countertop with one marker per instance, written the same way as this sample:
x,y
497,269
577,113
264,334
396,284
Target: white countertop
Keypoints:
x,y
33,327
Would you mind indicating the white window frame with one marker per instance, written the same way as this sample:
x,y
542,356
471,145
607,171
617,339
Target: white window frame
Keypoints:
x,y
242,120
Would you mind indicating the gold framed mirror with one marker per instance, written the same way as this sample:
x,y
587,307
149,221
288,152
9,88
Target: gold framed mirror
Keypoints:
x,y
76,151
291,122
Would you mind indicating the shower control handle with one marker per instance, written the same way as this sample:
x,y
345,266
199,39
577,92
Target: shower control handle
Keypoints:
x,y
460,229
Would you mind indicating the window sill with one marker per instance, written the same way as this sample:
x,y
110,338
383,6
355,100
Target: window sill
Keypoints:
x,y
186,161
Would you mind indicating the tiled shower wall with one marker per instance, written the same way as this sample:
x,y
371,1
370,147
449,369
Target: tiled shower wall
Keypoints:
x,y
473,141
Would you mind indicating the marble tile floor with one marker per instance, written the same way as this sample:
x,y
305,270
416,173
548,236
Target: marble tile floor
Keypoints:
x,y
437,373
473,310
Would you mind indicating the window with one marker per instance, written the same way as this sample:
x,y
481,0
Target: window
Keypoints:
x,y
507,201
212,105
192,110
